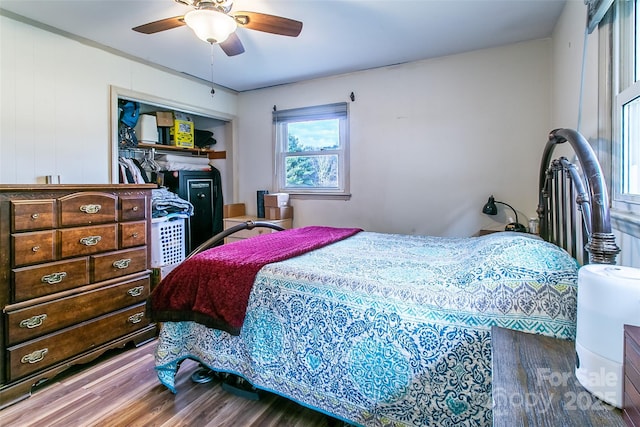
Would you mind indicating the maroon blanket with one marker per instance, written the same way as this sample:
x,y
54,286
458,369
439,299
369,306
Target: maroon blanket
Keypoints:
x,y
213,287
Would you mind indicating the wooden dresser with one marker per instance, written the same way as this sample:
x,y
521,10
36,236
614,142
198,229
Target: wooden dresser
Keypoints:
x,y
631,368
74,278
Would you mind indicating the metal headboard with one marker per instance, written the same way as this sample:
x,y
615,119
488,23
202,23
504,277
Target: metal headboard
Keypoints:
x,y
219,238
573,207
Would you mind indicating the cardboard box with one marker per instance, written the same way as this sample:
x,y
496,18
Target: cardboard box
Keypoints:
x,y
276,200
164,118
278,213
234,209
182,134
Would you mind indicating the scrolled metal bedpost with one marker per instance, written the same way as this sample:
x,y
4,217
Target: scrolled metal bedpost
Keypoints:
x,y
601,245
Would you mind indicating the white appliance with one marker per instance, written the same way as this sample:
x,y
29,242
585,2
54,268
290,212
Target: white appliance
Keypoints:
x,y
147,129
608,298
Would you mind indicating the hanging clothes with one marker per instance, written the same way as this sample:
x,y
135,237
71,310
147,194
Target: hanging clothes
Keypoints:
x,y
131,172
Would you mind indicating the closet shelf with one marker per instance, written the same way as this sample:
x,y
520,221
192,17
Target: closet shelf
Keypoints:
x,y
211,154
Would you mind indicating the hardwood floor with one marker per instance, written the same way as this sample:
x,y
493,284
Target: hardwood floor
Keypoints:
x,y
122,389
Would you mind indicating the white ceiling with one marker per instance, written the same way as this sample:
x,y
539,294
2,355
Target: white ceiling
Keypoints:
x,y
338,36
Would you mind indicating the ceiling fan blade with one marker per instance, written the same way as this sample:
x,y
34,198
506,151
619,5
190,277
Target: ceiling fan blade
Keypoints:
x,y
232,46
161,25
268,23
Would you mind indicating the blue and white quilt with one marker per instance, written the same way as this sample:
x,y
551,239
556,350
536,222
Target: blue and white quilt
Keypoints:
x,y
384,329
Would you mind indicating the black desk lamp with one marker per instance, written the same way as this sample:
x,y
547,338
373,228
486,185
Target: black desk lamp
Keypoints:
x,y
491,209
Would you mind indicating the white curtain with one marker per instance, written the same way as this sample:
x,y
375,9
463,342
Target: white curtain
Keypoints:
x,y
596,10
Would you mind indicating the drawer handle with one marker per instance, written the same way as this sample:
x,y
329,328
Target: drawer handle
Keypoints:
x,y
54,278
122,263
136,292
90,240
135,209
136,318
35,357
134,235
33,322
90,209
35,248
35,216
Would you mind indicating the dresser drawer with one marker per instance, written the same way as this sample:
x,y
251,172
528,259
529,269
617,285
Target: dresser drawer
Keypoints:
x,y
33,247
132,234
245,234
35,321
233,239
132,208
116,264
32,214
631,369
40,353
80,241
87,208
632,347
45,279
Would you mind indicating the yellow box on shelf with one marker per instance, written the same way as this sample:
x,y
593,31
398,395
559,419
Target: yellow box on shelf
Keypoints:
x,y
182,133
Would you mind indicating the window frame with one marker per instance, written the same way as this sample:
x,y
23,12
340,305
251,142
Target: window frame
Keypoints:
x,y
281,118
620,61
623,200
625,90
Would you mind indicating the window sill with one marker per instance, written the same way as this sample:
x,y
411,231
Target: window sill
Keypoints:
x,y
319,196
626,222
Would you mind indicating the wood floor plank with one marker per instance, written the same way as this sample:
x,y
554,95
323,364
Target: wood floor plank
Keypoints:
x,y
122,389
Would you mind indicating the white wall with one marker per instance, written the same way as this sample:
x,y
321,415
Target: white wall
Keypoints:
x,y
55,104
430,140
568,45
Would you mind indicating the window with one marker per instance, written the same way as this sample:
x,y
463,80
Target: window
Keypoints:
x,y
626,114
625,88
630,137
312,150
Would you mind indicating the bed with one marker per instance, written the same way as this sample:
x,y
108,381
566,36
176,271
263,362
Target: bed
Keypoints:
x,y
383,329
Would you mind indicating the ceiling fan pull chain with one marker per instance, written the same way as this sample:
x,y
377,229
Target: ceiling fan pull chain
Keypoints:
x,y
213,91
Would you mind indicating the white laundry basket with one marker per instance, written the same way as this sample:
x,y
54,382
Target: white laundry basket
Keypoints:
x,y
167,240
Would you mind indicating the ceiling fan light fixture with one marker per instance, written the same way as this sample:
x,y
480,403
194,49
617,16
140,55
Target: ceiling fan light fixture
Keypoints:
x,y
210,25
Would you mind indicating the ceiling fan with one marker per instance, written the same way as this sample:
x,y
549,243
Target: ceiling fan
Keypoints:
x,y
212,22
